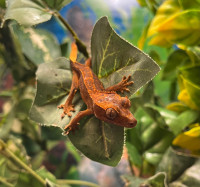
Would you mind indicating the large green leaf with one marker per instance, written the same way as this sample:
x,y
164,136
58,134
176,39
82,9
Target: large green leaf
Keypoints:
x,y
113,58
99,141
37,44
32,12
95,139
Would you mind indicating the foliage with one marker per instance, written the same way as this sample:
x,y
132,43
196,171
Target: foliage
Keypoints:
x,y
163,149
177,124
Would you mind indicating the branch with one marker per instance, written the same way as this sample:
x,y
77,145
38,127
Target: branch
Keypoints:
x,y
3,181
76,182
81,46
9,154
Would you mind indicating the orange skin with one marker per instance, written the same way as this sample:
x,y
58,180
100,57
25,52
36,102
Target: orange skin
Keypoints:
x,y
105,104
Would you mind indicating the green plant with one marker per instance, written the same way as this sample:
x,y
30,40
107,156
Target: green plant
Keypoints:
x,y
163,147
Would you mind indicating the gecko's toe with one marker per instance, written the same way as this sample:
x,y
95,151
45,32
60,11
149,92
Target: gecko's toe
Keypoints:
x,y
60,106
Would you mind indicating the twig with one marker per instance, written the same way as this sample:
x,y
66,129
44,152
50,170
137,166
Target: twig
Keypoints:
x,y
3,147
77,182
130,166
81,46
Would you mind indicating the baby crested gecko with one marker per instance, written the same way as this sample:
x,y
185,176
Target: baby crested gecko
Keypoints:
x,y
104,103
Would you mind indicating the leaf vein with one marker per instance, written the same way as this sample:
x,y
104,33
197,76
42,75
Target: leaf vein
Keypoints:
x,y
104,54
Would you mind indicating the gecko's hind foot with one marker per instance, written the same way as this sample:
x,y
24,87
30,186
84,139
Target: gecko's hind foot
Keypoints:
x,y
72,128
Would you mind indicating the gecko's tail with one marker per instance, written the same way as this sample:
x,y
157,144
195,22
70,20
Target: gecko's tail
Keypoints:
x,y
74,51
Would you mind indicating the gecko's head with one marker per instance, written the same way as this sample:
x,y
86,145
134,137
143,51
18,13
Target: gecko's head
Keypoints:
x,y
114,109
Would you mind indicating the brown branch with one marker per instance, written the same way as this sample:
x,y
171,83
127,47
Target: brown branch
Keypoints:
x,y
81,46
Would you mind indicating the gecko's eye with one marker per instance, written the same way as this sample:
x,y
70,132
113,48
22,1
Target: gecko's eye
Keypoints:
x,y
111,113
125,102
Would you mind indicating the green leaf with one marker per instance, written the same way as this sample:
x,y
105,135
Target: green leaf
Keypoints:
x,y
183,120
158,180
152,135
133,136
161,116
57,4
189,140
174,164
26,12
191,82
195,4
3,4
53,85
6,172
95,139
99,141
177,59
135,156
37,44
175,22
178,27
26,179
132,181
142,2
6,124
168,8
51,184
113,58
45,174
190,177
12,55
30,13
155,153
177,107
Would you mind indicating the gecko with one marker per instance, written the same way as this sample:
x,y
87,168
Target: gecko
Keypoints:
x,y
105,103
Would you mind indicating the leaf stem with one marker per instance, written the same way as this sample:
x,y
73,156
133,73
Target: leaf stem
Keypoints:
x,y
81,46
2,180
9,154
77,182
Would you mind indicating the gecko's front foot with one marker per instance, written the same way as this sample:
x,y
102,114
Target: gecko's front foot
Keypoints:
x,y
71,127
125,83
67,109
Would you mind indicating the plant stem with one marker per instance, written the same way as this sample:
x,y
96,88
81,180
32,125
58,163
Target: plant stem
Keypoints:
x,y
81,46
130,166
77,182
2,180
3,147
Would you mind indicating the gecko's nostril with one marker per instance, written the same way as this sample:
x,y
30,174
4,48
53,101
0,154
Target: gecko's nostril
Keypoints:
x,y
133,123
